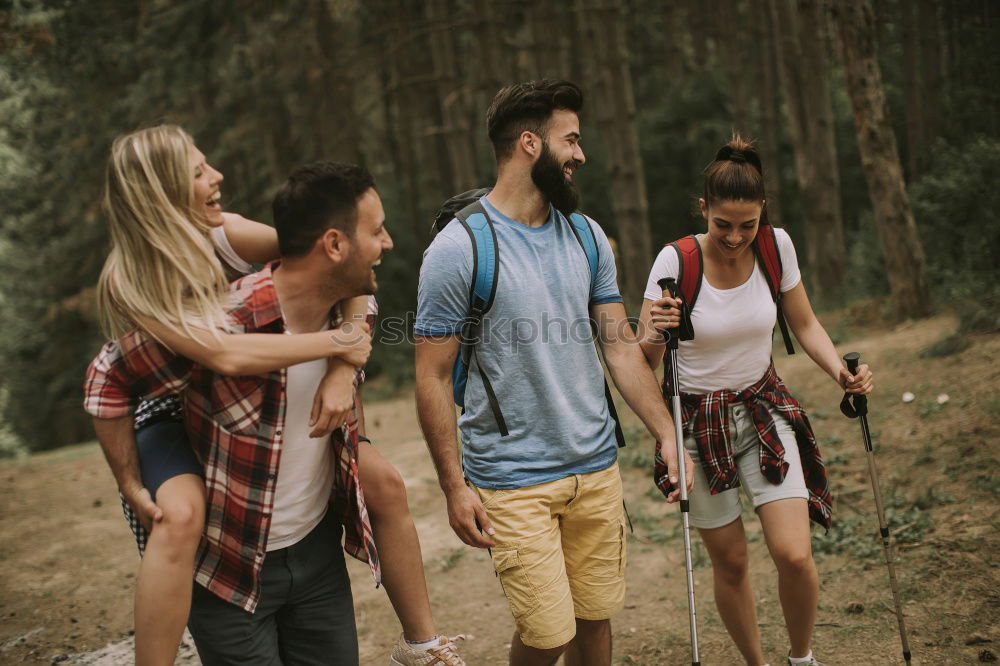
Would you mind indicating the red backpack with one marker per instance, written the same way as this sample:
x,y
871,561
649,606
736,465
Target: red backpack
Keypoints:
x,y
691,272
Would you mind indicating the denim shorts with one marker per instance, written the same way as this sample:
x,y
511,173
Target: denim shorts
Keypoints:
x,y
709,511
165,452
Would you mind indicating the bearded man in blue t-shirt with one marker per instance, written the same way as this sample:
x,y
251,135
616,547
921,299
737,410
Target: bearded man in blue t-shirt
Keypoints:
x,y
546,497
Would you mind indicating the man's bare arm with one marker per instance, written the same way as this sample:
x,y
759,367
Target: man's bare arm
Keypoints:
x,y
117,438
435,358
637,384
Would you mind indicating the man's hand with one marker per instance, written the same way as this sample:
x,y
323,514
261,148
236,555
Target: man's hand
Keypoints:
x,y
333,402
142,504
356,341
465,510
669,453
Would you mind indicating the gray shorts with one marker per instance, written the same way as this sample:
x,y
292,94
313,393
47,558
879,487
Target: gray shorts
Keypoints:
x,y
709,511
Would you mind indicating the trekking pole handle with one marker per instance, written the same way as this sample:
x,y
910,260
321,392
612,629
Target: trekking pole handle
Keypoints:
x,y
669,284
672,336
852,360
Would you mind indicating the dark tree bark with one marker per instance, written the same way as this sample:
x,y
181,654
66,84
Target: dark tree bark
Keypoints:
x,y
904,255
802,34
765,49
452,96
336,119
733,47
548,24
932,68
603,30
675,37
915,137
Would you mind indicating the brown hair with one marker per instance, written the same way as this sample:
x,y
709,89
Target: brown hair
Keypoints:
x,y
527,107
736,174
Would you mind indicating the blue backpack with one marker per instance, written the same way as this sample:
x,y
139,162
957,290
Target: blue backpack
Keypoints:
x,y
470,213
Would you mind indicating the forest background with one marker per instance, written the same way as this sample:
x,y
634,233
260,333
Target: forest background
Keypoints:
x,y
878,122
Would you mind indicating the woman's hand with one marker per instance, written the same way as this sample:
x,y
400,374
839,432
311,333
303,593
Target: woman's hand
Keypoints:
x,y
665,313
861,382
334,400
356,341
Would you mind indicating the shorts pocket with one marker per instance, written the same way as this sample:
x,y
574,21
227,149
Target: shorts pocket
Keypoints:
x,y
236,403
489,496
517,588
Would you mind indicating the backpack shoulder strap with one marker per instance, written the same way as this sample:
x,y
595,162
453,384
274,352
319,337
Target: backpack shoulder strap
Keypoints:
x,y
765,246
485,256
689,269
482,292
588,241
585,237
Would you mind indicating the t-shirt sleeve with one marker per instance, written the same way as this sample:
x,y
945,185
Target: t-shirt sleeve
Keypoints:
x,y
665,265
226,252
443,286
606,285
790,274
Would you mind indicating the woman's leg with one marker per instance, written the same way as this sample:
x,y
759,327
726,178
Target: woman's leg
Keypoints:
x,y
727,546
397,543
786,530
163,587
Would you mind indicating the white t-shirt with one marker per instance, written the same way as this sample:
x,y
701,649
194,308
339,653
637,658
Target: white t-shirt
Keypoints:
x,y
226,252
732,327
305,474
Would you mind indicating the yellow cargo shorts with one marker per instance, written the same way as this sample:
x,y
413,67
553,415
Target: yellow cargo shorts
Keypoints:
x,y
560,553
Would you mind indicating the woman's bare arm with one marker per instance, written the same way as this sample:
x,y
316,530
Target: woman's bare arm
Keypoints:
x,y
256,353
253,241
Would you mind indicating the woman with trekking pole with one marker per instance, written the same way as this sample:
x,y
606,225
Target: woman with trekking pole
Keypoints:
x,y
173,250
736,280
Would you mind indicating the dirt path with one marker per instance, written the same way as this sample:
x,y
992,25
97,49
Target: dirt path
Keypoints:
x,y
67,562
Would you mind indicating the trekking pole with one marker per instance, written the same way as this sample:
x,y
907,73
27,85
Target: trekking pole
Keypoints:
x,y
672,337
859,409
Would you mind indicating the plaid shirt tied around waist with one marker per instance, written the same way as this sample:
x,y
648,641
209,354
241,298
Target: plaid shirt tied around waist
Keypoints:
x,y
236,426
706,418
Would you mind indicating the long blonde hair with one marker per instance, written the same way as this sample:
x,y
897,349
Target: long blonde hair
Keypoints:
x,y
162,263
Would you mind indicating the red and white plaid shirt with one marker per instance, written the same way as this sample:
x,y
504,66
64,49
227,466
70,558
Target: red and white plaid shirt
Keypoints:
x,y
236,425
706,418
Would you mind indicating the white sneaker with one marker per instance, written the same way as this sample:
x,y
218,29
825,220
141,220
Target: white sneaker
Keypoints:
x,y
812,662
445,654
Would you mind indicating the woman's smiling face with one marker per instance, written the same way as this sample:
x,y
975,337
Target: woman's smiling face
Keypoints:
x,y
732,225
206,188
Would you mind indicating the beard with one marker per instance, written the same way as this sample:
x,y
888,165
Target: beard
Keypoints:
x,y
547,175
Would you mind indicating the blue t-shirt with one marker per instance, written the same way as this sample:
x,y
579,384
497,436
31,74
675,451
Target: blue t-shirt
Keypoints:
x,y
537,350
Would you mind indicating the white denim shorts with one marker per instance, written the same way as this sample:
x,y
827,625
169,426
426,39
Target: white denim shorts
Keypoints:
x,y
709,511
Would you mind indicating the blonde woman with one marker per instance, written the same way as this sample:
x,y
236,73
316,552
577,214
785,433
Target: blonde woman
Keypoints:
x,y
173,251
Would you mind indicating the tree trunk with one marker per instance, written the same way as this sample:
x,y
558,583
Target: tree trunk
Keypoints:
x,y
732,48
932,63
337,121
915,138
764,46
904,256
804,72
452,97
604,32
674,38
547,26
